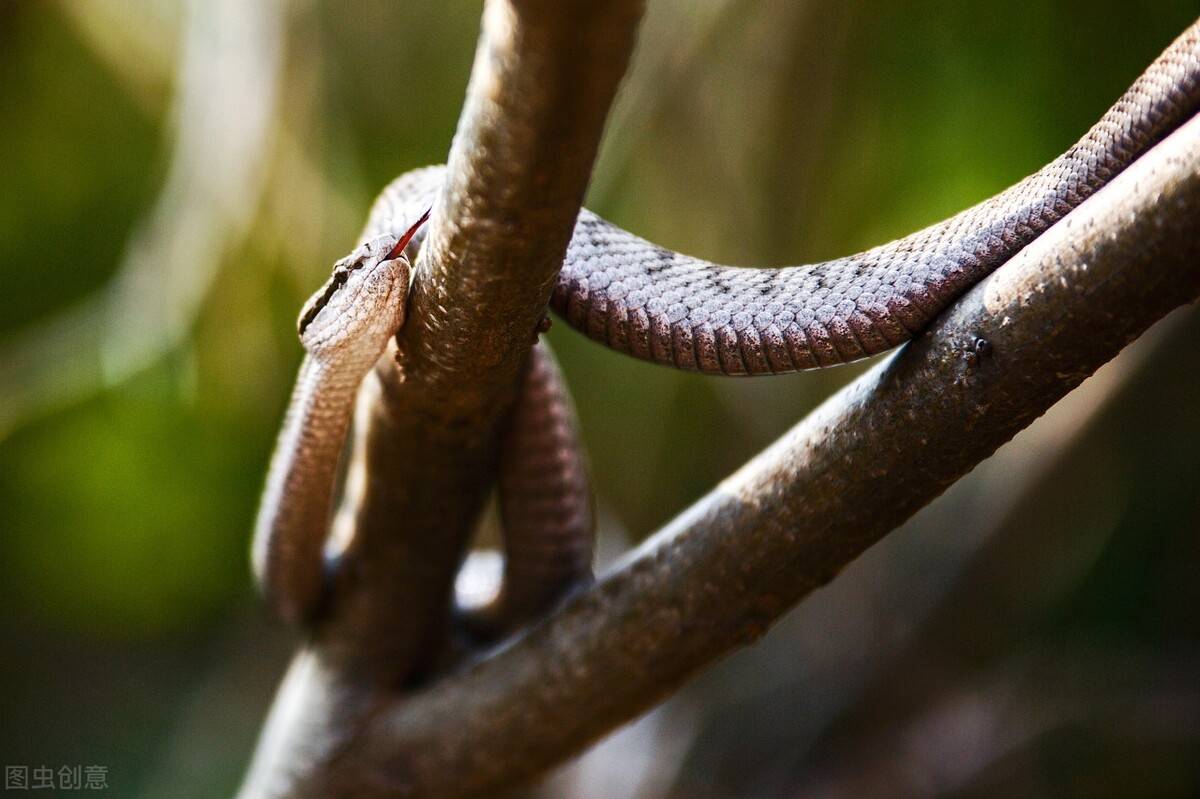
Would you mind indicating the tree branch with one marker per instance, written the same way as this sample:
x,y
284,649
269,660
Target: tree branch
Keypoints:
x,y
544,77
787,522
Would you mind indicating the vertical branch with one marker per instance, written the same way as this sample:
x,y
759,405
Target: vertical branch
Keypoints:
x,y
545,74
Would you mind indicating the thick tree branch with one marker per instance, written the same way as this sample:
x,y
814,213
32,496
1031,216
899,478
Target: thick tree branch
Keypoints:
x,y
545,74
786,523
544,77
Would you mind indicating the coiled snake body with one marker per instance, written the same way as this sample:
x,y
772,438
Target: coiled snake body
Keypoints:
x,y
669,308
673,309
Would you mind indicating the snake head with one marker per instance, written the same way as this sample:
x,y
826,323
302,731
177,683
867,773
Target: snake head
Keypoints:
x,y
363,303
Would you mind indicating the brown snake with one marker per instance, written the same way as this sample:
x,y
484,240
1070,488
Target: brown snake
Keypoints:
x,y
666,307
673,309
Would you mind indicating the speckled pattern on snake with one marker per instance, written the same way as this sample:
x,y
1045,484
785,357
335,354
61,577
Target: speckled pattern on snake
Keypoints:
x,y
662,306
673,309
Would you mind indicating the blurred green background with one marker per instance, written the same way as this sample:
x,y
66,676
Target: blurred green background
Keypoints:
x,y
177,177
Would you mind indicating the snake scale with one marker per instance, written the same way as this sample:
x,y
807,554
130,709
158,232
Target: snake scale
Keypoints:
x,y
661,306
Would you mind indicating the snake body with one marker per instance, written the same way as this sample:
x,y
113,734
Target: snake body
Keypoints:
x,y
545,500
663,306
344,328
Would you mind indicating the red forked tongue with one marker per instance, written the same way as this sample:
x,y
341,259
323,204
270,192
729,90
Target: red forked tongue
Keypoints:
x,y
407,237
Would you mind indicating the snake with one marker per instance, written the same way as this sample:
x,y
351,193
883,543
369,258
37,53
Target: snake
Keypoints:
x,y
665,307
545,499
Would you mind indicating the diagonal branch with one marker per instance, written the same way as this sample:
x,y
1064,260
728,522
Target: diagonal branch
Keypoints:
x,y
786,523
